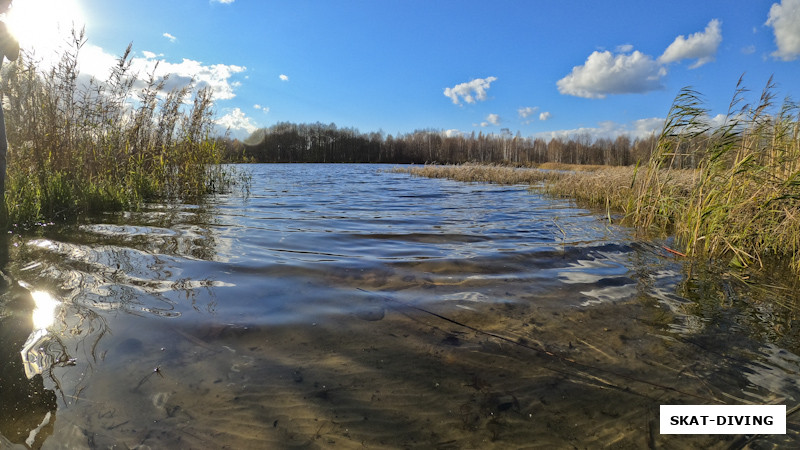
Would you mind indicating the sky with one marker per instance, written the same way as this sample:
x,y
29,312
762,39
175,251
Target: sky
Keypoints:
x,y
534,67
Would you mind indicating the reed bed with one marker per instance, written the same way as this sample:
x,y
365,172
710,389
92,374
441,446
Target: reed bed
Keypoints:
x,y
472,172
80,146
600,186
616,188
745,203
570,167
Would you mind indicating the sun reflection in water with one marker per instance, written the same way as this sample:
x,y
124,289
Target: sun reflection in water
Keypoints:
x,y
44,314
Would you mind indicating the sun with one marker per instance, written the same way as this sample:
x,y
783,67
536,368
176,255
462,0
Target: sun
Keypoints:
x,y
44,26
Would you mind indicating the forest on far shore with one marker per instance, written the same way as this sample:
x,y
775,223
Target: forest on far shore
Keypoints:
x,y
320,143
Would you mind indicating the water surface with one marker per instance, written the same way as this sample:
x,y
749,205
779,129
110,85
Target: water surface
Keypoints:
x,y
345,306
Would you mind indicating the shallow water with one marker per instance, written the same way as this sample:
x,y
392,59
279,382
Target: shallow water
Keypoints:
x,y
344,306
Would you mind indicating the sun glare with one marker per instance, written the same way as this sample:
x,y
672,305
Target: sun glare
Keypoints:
x,y
43,26
45,310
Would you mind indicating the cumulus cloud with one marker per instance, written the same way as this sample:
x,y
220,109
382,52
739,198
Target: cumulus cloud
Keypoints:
x,y
717,121
224,2
610,130
701,46
633,72
527,111
605,73
284,77
237,122
493,119
170,37
217,77
95,62
471,91
261,108
645,127
784,18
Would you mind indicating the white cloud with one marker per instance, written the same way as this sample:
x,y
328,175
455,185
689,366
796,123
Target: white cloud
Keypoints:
x,y
717,121
261,108
527,111
633,72
610,130
95,62
170,37
604,73
784,18
645,127
224,2
493,119
454,133
284,77
217,77
471,91
237,122
701,46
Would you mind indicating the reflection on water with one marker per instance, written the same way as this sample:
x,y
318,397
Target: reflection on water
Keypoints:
x,y
27,408
42,318
338,305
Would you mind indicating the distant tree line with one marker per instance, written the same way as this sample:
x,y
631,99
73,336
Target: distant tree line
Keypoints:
x,y
319,143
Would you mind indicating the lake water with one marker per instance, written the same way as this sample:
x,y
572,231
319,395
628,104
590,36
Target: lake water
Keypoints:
x,y
344,306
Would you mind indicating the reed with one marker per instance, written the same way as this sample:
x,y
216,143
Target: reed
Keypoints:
x,y
79,146
609,187
744,201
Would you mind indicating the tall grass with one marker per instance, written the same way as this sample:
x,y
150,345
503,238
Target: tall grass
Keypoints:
x,y
745,201
79,146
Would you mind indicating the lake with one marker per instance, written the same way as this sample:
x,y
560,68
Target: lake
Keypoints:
x,y
346,306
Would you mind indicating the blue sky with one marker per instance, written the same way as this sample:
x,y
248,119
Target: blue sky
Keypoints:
x,y
540,68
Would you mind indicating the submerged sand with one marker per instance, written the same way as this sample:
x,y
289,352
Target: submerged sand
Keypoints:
x,y
517,375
